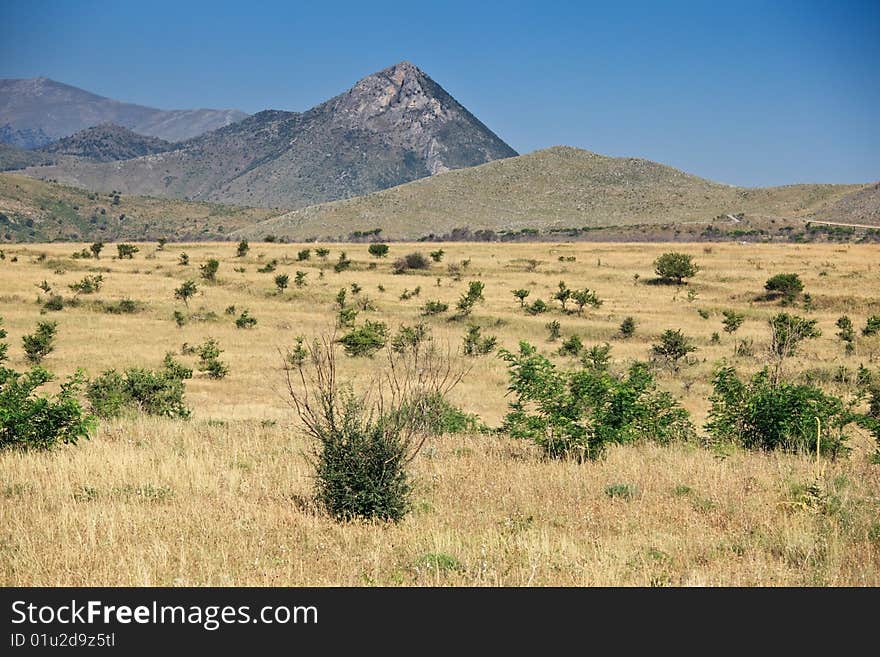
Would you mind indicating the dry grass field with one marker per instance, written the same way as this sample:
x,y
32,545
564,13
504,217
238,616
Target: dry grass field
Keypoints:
x,y
224,498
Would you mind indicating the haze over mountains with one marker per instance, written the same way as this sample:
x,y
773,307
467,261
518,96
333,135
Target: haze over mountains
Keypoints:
x,y
394,152
37,111
392,127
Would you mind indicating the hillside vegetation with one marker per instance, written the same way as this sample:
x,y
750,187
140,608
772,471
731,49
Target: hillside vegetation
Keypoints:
x,y
560,187
34,210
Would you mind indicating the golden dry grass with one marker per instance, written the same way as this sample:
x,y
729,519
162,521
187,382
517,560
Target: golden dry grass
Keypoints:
x,y
224,499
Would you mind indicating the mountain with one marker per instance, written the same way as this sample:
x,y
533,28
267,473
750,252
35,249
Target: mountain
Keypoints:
x,y
38,211
392,127
861,206
37,111
12,157
556,188
107,143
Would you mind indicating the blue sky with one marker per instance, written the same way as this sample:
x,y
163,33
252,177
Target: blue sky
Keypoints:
x,y
750,93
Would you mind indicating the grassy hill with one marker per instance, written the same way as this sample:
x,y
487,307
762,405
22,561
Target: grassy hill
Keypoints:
x,y
558,187
35,210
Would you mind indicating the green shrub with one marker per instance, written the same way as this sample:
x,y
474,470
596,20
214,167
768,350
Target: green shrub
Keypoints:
x,y
622,491
158,392
585,297
627,327
299,278
675,267
555,330
88,285
759,414
242,249
537,307
469,298
40,344
437,255
121,307
476,344
183,259
343,263
126,251
434,308
410,337
575,414
245,320
365,340
732,321
784,286
872,326
54,303
209,269
571,346
378,250
186,291
415,260
322,252
28,421
520,296
268,268
303,255
672,346
209,359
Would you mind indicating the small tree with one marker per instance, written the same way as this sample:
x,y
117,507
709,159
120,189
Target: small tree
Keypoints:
x,y
209,359
161,243
784,286
846,333
675,267
673,345
88,285
571,346
872,326
585,297
787,332
732,321
378,250
242,249
183,259
322,252
303,255
299,279
521,295
555,330
209,269
563,294
627,327
126,251
365,340
186,291
437,255
467,300
245,320
41,343
281,281
476,344
96,249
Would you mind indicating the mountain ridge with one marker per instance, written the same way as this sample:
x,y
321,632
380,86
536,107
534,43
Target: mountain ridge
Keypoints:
x,y
390,127
36,111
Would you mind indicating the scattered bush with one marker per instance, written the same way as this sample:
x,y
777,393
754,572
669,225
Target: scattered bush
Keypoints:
x,y
96,249
761,414
88,285
322,253
784,286
209,359
538,307
675,267
209,269
158,392
467,300
303,255
627,327
268,268
434,308
183,259
281,282
673,345
378,250
245,320
521,295
343,263
732,321
242,249
126,251
186,291
555,330
365,340
410,337
476,344
846,333
299,278
54,303
437,255
416,260
872,326
575,414
571,346
40,344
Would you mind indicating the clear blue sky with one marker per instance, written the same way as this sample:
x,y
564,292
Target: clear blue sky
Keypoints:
x,y
751,93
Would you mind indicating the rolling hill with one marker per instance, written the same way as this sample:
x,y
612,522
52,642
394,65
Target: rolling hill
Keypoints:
x,y
107,143
37,111
37,211
559,187
391,127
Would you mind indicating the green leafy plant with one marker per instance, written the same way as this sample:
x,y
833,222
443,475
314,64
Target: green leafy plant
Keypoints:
x,y
245,320
434,308
786,287
675,267
209,269
627,327
209,359
343,263
281,282
186,291
365,340
520,296
575,414
672,346
554,328
378,250
126,251
242,249
476,344
88,285
303,255
41,342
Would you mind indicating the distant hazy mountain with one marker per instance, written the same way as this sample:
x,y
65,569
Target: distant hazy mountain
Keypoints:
x,y
392,127
559,187
37,111
107,143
